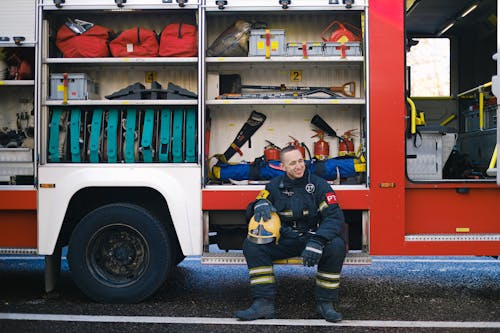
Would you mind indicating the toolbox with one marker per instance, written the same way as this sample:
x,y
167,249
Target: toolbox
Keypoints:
x,y
297,49
347,49
80,86
258,42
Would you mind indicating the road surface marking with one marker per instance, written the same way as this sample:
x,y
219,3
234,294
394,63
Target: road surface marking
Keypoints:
x,y
195,258
231,321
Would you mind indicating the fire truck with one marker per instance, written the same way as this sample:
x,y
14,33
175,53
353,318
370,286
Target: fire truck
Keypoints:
x,y
133,161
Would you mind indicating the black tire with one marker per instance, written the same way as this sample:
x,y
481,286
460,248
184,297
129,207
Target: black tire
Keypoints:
x,y
119,253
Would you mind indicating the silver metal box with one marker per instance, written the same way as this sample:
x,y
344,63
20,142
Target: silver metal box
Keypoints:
x,y
80,86
257,43
347,49
297,49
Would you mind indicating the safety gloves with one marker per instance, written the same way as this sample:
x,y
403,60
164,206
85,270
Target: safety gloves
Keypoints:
x,y
313,251
262,210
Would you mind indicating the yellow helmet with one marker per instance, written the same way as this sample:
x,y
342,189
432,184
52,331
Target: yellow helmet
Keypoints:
x,y
264,232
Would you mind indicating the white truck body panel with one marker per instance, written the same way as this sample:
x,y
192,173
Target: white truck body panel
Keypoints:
x,y
179,185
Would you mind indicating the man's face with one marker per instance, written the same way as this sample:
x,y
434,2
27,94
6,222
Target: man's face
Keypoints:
x,y
293,164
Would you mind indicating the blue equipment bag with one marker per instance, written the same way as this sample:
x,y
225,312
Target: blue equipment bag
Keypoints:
x,y
261,170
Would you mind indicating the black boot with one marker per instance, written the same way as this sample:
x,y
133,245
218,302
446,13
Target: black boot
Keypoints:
x,y
261,308
326,310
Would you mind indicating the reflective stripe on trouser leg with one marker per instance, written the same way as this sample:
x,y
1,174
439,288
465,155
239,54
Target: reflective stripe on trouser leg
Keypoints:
x,y
327,286
329,268
262,281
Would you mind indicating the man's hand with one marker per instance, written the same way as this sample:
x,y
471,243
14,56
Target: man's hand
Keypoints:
x,y
262,210
313,251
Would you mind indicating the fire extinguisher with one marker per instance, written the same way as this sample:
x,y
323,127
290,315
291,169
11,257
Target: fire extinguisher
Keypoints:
x,y
346,145
321,147
298,145
271,152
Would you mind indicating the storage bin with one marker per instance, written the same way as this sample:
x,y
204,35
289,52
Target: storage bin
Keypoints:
x,y
257,42
312,48
426,158
80,86
16,155
347,49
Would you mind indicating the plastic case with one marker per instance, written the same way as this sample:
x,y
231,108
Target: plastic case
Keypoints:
x,y
80,86
426,158
296,49
16,161
349,49
257,43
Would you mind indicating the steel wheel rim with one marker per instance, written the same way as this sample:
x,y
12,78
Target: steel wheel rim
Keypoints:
x,y
117,255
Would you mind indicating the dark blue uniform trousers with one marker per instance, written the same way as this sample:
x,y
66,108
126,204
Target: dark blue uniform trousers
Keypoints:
x,y
260,259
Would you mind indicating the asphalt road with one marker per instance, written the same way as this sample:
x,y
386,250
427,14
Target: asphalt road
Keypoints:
x,y
394,294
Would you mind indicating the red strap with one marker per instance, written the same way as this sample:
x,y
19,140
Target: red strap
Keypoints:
x,y
342,49
304,50
238,150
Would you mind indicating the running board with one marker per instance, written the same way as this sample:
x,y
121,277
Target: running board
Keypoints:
x,y
453,238
237,258
17,250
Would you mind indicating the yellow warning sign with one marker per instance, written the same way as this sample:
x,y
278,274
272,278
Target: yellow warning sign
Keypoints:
x,y
150,77
295,75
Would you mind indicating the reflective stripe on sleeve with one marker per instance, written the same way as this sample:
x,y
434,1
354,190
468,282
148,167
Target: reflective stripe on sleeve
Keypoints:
x,y
312,249
322,206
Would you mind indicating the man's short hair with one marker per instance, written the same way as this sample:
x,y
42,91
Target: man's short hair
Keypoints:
x,y
287,149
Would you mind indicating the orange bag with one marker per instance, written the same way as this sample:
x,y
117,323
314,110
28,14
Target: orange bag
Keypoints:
x,y
89,44
179,40
135,42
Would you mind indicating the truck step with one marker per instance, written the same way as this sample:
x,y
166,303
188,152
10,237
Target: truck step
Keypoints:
x,y
18,250
237,258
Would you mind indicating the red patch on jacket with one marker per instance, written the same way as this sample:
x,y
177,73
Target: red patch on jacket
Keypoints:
x,y
331,198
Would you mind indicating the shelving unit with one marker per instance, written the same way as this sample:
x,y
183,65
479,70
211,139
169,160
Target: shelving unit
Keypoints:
x,y
286,116
112,74
18,44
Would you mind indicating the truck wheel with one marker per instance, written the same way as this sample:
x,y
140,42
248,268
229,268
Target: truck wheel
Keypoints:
x,y
119,253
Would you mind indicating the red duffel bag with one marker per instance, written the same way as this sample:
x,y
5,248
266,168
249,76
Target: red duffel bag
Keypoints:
x,y
135,42
88,44
179,40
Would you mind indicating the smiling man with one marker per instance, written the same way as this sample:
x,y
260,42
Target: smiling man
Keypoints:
x,y
312,226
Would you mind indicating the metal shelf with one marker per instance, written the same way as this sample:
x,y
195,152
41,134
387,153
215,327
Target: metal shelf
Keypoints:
x,y
17,83
281,59
287,101
123,61
120,102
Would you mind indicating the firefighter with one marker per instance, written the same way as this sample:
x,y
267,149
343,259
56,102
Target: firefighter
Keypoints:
x,y
312,226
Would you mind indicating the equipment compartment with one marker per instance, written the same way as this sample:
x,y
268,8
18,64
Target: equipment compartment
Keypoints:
x,y
144,89
288,90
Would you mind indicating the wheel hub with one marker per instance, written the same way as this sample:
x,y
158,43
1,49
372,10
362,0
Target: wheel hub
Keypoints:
x,y
118,255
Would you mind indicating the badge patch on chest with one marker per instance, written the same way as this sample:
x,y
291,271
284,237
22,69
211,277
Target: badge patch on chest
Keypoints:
x,y
310,188
331,198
